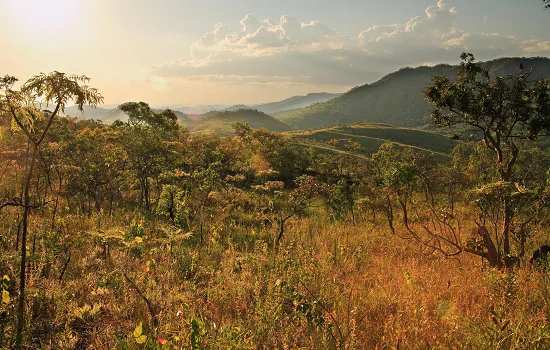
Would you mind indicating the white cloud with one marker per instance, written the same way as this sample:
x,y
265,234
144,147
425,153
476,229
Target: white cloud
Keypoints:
x,y
292,51
535,46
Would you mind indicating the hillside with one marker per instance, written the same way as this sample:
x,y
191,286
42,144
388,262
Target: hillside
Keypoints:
x,y
295,102
371,136
222,121
398,98
87,113
291,103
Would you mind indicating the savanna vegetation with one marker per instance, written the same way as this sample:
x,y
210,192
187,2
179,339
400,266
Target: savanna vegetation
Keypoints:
x,y
140,234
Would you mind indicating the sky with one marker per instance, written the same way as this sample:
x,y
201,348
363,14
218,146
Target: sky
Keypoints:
x,y
184,52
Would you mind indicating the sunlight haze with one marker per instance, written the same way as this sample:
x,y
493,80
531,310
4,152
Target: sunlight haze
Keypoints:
x,y
217,52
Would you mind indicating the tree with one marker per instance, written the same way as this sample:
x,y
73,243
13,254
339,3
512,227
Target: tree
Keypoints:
x,y
546,4
508,111
54,89
147,137
289,159
95,163
399,172
285,204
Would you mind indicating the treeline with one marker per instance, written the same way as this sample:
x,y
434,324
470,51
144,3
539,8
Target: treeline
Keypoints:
x,y
256,177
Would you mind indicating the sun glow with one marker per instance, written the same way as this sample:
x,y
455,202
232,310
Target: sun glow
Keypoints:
x,y
43,16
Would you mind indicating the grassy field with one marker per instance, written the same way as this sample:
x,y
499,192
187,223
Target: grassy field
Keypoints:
x,y
329,285
371,136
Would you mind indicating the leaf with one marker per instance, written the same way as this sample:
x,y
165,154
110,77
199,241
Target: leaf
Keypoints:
x,y
5,297
138,330
141,340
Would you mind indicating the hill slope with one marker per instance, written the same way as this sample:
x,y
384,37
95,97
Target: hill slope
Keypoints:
x,y
371,136
222,121
295,102
398,98
87,113
272,108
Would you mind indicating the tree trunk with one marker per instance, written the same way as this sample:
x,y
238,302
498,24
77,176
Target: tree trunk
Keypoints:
x,y
146,194
506,227
492,254
22,277
281,231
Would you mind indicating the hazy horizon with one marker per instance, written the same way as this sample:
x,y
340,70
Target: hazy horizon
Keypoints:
x,y
184,53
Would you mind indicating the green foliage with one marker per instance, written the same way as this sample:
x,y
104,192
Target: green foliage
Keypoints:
x,y
506,110
371,136
136,229
477,99
223,121
396,98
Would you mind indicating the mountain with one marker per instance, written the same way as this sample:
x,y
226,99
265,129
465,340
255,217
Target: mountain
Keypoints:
x,y
273,108
87,113
197,109
295,102
222,121
235,108
398,98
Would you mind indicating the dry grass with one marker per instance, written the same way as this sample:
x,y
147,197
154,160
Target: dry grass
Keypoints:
x,y
329,285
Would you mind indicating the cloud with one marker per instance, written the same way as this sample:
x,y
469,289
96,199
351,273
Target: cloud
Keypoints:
x,y
289,51
534,46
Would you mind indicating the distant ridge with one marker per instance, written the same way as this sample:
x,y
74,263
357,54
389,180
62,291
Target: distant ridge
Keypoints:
x,y
295,102
223,121
109,115
288,104
397,98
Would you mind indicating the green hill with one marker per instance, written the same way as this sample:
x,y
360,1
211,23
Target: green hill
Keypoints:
x,y
371,136
291,103
398,98
295,102
223,121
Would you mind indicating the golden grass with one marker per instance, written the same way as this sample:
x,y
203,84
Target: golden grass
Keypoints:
x,y
329,285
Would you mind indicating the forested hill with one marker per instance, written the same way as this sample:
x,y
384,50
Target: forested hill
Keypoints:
x,y
398,98
294,102
222,121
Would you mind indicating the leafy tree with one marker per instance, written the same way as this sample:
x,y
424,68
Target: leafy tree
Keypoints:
x,y
56,90
505,109
508,111
96,163
400,173
286,204
146,138
168,202
287,158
